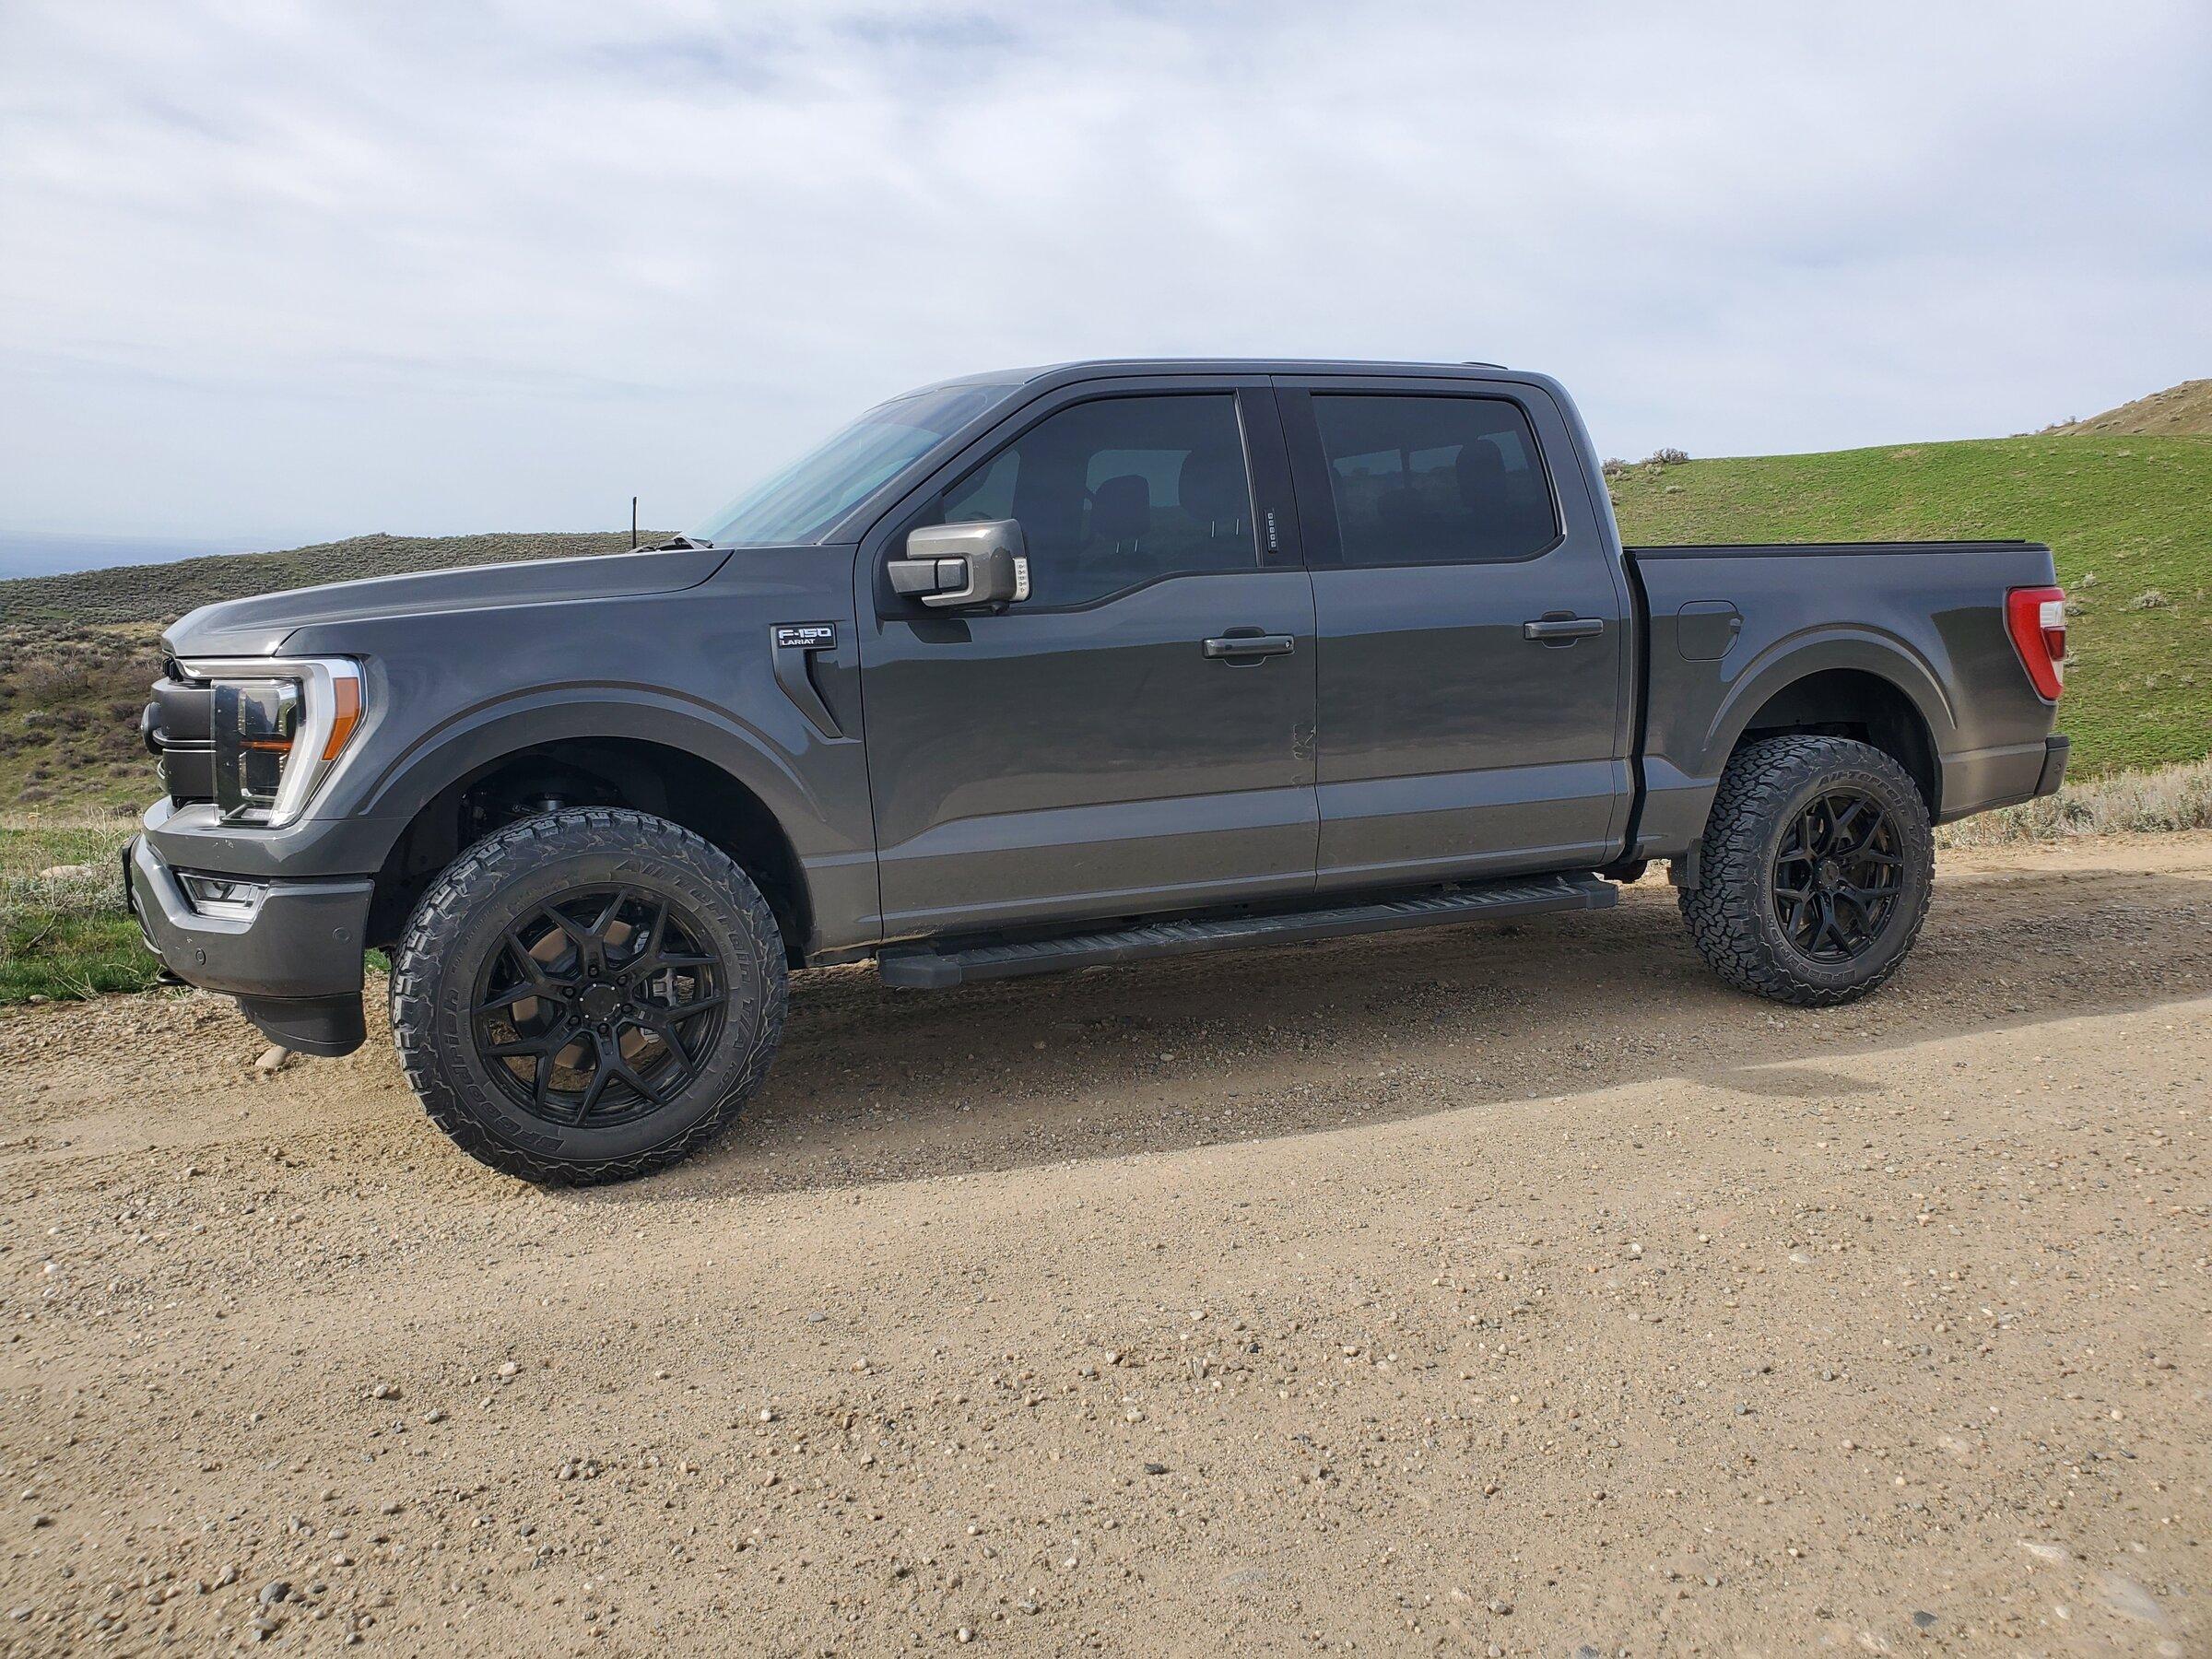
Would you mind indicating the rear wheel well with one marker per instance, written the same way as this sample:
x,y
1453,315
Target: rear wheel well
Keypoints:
x,y
1850,703
668,783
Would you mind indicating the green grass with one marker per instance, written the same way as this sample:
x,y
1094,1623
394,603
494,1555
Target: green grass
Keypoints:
x,y
65,934
2129,520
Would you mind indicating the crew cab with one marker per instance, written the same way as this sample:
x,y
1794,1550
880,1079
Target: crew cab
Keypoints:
x,y
1047,669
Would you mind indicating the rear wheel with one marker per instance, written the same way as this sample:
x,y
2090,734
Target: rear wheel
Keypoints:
x,y
588,995
1814,870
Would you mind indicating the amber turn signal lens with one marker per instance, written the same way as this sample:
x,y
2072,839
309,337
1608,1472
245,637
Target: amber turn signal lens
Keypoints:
x,y
346,716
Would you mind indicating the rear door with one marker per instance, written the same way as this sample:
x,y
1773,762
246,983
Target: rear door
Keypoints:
x,y
1136,735
1473,631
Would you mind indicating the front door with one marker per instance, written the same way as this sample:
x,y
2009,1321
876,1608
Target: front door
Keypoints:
x,y
1473,633
1133,738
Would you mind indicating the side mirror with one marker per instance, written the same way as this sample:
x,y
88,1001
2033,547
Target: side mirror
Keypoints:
x,y
967,566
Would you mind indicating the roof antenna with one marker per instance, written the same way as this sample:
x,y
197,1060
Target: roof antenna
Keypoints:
x,y
633,524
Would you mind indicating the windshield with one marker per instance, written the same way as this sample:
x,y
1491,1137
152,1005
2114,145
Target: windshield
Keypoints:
x,y
806,498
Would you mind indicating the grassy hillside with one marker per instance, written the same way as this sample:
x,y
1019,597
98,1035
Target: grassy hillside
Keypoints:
x,y
79,652
2178,410
2129,520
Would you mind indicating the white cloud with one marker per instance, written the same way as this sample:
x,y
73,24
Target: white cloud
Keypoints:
x,y
266,267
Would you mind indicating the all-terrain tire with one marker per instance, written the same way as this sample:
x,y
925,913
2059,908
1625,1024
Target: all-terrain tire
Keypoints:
x,y
1733,913
460,924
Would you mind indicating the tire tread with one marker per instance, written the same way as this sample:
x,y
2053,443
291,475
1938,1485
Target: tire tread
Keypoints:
x,y
1721,910
469,880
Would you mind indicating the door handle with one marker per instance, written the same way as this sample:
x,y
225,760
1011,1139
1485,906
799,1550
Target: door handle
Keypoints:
x,y
1242,647
1562,630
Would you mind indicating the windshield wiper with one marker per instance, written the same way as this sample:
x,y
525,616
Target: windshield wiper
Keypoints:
x,y
674,543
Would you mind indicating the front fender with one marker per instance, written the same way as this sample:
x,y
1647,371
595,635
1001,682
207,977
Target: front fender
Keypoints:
x,y
473,738
452,692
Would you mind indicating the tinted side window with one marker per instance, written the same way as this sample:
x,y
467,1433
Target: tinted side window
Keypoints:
x,y
1433,481
1119,492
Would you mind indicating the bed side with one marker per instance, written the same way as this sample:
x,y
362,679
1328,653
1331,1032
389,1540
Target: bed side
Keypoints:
x,y
1901,643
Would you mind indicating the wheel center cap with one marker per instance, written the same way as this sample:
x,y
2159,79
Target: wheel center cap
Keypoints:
x,y
601,1003
1831,876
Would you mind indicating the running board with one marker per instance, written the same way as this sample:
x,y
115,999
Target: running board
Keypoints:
x,y
925,966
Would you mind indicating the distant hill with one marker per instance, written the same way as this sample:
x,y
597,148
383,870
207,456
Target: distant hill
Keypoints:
x,y
162,593
2128,519
2185,410
79,652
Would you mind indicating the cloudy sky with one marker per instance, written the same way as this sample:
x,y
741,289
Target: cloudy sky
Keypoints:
x,y
290,270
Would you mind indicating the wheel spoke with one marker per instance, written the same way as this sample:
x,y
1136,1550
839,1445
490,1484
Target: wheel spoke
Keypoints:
x,y
527,992
1866,837
606,918
624,1070
538,974
646,957
1828,928
589,952
698,1004
602,1071
544,1042
682,1065
1838,824
659,1025
541,1082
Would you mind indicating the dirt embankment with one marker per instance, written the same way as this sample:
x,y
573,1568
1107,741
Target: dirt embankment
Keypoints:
x,y
1512,1291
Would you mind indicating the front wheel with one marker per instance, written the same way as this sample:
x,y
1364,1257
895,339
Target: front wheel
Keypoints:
x,y
588,995
1814,870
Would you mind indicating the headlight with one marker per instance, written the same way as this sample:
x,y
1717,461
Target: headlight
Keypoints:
x,y
280,727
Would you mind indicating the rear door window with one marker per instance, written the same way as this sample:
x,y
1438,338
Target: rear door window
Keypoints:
x,y
1433,481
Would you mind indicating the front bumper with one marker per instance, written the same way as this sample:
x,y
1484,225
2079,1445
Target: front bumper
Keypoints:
x,y
294,964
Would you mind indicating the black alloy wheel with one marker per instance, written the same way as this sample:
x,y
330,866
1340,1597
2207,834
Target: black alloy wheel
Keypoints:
x,y
600,1006
1839,876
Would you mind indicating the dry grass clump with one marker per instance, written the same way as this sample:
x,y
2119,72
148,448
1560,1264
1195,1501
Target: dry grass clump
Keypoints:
x,y
2169,797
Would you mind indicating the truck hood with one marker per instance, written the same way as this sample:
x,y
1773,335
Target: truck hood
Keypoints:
x,y
259,626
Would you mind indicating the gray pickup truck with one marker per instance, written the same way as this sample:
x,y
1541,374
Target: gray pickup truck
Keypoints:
x,y
1048,669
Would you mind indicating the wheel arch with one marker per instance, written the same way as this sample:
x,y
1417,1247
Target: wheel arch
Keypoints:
x,y
702,773
1853,685
1857,704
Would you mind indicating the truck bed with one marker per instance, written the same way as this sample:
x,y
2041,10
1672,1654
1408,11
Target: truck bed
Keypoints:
x,y
1733,633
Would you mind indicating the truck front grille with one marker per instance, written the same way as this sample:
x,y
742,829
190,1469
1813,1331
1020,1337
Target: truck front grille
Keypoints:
x,y
179,729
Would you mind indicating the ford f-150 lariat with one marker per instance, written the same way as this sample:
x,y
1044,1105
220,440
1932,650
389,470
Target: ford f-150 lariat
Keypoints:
x,y
1048,669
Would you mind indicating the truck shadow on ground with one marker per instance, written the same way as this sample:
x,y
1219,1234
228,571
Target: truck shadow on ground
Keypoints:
x,y
881,1085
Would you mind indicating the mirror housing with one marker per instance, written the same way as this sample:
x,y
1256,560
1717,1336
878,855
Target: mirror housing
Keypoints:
x,y
967,567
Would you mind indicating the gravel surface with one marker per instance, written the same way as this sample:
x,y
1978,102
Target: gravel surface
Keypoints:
x,y
1510,1289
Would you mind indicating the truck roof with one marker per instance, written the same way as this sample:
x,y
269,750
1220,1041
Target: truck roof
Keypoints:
x,y
1087,368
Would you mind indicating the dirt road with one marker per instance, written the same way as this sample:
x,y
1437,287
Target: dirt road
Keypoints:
x,y
1512,1292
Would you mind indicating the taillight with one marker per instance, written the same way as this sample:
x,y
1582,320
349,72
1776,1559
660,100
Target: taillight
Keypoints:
x,y
2036,617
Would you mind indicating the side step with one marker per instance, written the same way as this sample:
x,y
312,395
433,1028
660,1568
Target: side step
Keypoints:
x,y
927,967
